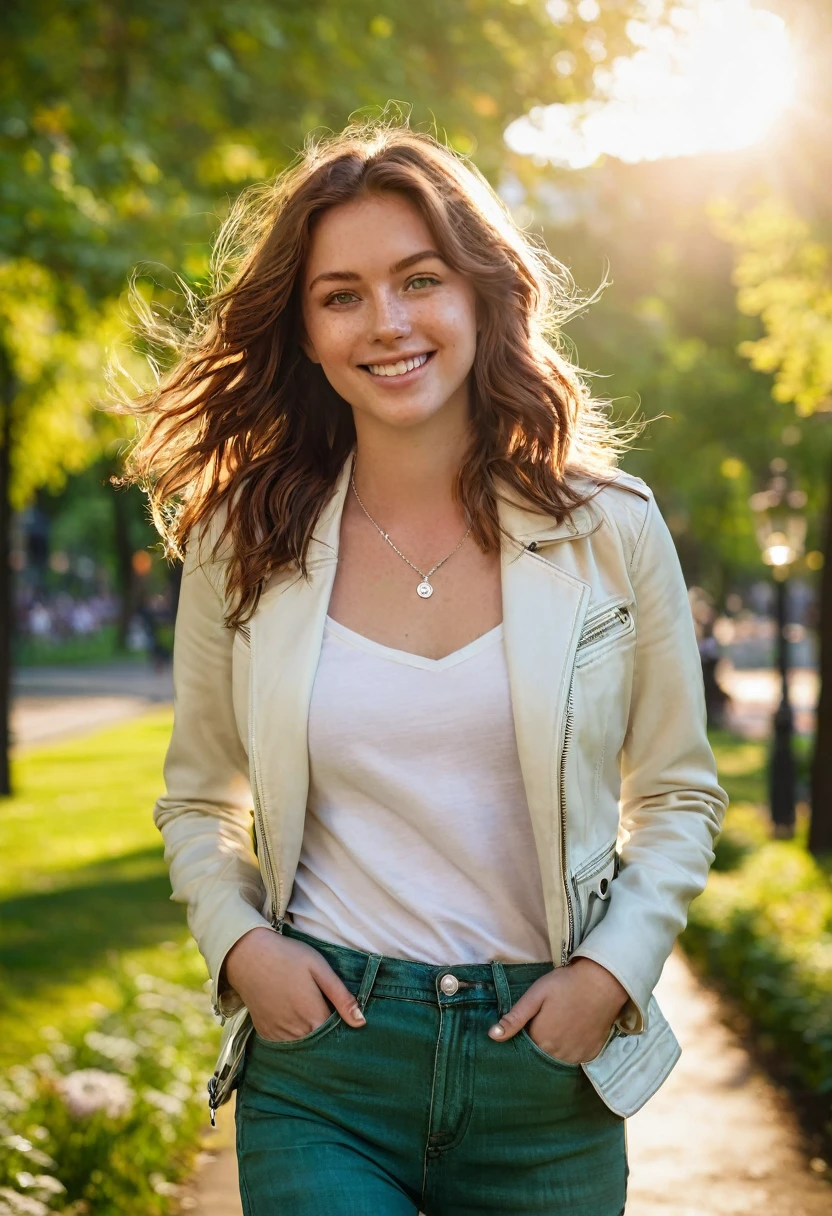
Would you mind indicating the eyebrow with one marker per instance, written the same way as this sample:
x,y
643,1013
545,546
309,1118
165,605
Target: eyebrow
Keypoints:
x,y
352,276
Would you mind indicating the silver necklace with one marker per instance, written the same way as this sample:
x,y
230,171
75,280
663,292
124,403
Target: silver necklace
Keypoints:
x,y
424,589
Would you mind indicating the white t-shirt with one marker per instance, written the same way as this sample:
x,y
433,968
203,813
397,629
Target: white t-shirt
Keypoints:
x,y
418,842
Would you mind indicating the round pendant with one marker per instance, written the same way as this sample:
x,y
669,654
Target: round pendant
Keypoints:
x,y
425,590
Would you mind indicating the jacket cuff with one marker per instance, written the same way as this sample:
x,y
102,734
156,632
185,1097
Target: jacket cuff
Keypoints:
x,y
224,998
633,1017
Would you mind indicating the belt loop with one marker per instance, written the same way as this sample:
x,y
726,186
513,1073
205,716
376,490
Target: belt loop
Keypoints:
x,y
370,972
501,985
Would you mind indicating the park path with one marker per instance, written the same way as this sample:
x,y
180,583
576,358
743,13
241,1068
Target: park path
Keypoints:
x,y
718,1139
52,703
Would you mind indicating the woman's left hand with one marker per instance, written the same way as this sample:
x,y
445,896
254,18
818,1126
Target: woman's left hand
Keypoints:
x,y
569,1011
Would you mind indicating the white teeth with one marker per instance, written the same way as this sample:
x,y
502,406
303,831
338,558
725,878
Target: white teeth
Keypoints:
x,y
397,369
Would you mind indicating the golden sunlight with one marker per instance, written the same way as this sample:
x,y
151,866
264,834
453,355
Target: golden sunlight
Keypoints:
x,y
710,75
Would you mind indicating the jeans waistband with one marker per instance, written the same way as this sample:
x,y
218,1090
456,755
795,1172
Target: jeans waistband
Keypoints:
x,y
485,983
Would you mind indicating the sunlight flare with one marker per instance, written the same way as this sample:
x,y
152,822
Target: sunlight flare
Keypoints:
x,y
712,75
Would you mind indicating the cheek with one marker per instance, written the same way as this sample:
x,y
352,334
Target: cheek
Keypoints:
x,y
332,337
454,325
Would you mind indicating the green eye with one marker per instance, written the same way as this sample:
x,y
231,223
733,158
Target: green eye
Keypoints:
x,y
423,278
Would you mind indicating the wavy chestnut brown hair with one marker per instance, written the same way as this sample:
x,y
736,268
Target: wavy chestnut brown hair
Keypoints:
x,y
246,421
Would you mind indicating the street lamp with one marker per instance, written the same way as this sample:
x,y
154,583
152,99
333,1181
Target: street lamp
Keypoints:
x,y
781,533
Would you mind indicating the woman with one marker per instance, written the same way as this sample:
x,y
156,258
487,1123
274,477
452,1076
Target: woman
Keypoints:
x,y
441,651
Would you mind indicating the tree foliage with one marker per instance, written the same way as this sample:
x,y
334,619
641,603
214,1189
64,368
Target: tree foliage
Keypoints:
x,y
124,129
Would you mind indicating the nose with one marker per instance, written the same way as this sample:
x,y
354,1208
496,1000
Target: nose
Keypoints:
x,y
389,318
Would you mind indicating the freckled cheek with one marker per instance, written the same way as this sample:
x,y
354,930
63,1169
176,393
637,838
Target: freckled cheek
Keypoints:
x,y
452,325
335,343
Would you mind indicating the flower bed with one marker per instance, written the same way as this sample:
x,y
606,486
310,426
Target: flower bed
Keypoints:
x,y
763,927
110,1124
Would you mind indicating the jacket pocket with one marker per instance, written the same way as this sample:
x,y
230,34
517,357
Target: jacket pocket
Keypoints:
x,y
631,1067
592,883
611,622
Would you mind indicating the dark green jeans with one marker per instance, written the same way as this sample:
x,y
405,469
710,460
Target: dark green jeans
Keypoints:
x,y
419,1109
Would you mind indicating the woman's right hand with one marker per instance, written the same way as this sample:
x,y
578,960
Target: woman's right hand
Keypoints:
x,y
284,984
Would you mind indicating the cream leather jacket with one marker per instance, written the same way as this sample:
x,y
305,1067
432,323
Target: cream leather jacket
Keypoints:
x,y
609,715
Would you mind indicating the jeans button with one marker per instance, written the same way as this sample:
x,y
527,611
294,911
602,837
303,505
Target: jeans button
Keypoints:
x,y
449,984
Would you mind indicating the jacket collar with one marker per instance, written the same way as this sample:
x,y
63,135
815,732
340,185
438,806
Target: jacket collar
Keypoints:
x,y
524,524
323,546
528,526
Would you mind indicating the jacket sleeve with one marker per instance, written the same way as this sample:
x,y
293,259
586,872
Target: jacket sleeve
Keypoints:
x,y
205,814
672,805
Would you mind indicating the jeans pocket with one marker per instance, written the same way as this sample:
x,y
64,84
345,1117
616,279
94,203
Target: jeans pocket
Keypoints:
x,y
319,1032
559,1065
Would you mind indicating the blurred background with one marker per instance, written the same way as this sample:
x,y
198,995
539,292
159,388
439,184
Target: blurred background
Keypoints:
x,y
679,151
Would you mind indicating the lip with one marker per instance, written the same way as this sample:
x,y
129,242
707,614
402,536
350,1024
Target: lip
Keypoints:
x,y
406,377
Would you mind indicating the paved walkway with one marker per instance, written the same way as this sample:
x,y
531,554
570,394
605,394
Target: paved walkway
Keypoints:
x,y
719,1139
755,692
51,703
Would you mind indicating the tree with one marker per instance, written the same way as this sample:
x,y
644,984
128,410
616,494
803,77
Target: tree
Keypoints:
x,y
784,276
662,341
783,246
124,127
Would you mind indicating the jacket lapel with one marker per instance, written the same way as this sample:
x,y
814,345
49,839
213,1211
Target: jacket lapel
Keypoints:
x,y
286,637
543,610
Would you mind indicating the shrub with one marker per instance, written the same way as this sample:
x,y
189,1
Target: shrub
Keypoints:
x,y
109,1124
763,926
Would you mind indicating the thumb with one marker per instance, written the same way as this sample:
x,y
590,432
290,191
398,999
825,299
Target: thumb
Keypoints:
x,y
516,1018
339,994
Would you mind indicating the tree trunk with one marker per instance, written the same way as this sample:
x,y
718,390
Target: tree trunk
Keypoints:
x,y
124,565
820,830
6,604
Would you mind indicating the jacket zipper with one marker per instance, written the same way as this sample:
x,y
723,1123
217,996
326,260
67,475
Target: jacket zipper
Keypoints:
x,y
604,625
272,879
591,633
567,946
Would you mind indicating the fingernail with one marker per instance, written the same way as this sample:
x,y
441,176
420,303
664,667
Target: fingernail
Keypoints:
x,y
497,1031
358,1015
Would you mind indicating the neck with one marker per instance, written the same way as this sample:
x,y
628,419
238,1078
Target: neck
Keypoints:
x,y
402,473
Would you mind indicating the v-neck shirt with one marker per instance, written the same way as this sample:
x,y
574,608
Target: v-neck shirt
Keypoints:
x,y
417,842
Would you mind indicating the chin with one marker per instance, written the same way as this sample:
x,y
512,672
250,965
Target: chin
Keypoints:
x,y
405,417
398,414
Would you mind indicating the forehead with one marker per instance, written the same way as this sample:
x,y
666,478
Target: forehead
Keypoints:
x,y
367,235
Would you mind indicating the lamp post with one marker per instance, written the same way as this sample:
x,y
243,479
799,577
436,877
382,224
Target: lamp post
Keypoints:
x,y
781,534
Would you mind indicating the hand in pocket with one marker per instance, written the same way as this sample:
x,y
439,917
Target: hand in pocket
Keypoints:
x,y
285,985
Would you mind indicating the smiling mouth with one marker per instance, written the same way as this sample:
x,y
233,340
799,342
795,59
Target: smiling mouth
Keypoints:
x,y
391,371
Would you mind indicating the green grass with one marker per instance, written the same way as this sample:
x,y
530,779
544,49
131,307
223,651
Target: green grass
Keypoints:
x,y
97,972
84,889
